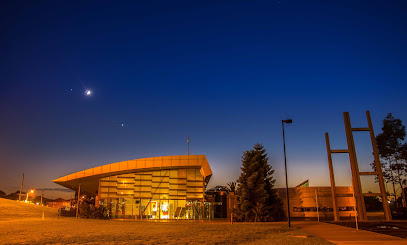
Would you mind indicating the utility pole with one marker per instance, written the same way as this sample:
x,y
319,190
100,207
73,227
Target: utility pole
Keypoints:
x,y
21,188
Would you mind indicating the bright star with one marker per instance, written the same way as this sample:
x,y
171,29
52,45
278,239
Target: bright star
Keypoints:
x,y
88,92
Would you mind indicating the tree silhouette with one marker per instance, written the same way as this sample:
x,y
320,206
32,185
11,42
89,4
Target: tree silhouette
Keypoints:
x,y
256,198
393,153
231,186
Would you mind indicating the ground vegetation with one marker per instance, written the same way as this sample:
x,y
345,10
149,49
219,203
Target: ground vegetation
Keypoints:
x,y
87,209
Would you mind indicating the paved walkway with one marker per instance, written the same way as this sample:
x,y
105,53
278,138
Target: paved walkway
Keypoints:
x,y
344,235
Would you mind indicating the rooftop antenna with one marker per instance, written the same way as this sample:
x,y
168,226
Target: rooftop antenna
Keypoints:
x,y
188,145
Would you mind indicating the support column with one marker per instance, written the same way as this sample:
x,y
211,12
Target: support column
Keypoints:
x,y
97,196
77,202
332,177
386,208
203,198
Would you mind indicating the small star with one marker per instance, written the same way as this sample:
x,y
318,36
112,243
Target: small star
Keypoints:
x,y
88,92
122,124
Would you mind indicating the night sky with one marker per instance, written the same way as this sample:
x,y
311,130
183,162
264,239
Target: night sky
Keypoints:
x,y
224,73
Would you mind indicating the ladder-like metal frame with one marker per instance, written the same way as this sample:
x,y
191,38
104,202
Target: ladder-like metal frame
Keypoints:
x,y
331,175
357,187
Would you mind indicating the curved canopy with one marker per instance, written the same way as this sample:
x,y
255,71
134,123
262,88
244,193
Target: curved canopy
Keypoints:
x,y
89,179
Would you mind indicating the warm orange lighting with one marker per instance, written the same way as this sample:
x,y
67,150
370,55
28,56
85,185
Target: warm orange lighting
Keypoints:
x,y
30,191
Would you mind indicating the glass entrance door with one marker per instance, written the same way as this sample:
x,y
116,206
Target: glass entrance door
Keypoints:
x,y
164,210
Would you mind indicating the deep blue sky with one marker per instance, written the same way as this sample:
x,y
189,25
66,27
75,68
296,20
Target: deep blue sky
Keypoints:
x,y
224,73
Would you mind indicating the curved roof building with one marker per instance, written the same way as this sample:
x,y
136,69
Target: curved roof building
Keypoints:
x,y
169,187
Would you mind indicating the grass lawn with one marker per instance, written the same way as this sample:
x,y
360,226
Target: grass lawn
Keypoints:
x,y
13,210
27,227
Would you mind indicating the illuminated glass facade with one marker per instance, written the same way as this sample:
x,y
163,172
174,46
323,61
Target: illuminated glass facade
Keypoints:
x,y
166,187
173,193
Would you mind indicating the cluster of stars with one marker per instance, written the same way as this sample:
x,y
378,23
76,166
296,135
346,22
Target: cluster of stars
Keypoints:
x,y
89,92
120,124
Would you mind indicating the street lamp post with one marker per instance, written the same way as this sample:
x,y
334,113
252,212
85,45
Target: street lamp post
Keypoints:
x,y
30,191
286,179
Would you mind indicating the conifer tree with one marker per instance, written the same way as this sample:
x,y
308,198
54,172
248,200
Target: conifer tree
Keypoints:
x,y
256,198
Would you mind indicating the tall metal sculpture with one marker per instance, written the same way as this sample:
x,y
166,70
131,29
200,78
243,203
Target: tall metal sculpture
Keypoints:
x,y
357,187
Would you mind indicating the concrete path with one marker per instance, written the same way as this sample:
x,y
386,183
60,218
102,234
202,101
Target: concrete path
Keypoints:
x,y
344,235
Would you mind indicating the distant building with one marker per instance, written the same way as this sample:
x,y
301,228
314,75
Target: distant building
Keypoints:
x,y
216,199
57,203
221,202
305,200
170,187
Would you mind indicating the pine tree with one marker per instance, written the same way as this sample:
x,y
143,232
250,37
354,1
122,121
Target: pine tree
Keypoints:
x,y
256,198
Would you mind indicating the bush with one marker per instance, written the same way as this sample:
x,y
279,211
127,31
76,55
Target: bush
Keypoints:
x,y
90,211
399,213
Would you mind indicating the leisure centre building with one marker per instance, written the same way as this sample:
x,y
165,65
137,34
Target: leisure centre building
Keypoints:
x,y
169,187
173,187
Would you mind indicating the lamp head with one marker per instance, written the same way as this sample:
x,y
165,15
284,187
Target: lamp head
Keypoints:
x,y
288,121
